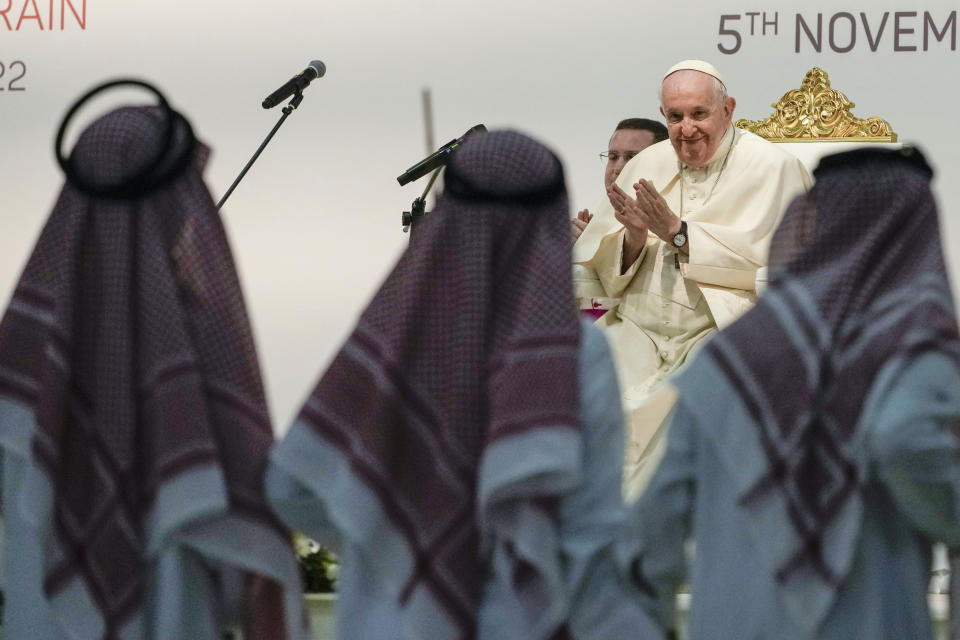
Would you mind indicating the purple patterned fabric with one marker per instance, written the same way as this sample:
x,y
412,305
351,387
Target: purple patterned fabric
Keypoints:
x,y
857,279
128,339
472,339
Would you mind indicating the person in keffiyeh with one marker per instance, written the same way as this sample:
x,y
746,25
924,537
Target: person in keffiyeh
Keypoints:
x,y
451,452
133,425
812,456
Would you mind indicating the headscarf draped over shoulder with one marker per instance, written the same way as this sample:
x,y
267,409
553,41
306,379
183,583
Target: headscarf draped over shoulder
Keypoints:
x,y
446,427
132,412
857,288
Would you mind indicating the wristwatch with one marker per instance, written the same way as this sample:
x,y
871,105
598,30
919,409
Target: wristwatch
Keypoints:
x,y
680,237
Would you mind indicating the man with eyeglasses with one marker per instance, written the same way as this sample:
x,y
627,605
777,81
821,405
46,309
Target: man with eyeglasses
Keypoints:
x,y
631,136
674,248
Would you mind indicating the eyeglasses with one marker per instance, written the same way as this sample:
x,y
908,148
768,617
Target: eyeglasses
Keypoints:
x,y
614,156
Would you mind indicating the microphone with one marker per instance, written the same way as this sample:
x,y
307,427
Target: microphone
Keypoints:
x,y
438,158
299,82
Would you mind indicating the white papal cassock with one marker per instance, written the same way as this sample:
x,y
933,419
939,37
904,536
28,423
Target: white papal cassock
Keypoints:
x,y
665,304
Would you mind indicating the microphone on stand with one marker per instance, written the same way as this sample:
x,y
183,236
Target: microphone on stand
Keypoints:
x,y
438,158
299,82
293,87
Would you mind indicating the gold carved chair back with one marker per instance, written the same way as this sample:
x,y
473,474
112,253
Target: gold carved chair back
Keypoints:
x,y
816,112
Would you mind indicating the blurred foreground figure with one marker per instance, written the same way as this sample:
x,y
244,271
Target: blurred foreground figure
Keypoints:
x,y
133,425
446,453
812,455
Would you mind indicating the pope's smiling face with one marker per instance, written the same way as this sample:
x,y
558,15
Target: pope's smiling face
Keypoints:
x,y
697,113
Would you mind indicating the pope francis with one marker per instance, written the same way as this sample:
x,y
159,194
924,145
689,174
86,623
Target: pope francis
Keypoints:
x,y
675,248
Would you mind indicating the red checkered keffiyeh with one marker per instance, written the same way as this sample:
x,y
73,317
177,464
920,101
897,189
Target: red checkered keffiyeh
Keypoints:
x,y
857,279
433,426
127,344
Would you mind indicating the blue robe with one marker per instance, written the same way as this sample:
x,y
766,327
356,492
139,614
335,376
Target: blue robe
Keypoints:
x,y
911,497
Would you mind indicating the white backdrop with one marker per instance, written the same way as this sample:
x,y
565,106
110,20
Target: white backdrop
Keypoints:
x,y
316,224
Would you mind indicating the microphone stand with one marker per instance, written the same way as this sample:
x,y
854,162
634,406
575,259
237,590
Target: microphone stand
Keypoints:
x,y
287,110
418,211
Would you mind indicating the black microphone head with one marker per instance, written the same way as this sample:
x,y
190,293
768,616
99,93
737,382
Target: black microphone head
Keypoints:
x,y
438,158
318,66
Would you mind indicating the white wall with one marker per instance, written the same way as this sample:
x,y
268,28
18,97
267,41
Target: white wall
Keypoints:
x,y
316,224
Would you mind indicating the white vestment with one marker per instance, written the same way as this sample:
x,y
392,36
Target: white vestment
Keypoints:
x,y
666,303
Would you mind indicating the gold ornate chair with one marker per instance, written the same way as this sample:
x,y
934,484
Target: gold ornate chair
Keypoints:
x,y
816,112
